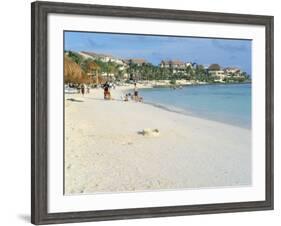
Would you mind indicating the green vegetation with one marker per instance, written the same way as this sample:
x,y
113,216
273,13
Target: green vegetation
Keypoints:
x,y
75,57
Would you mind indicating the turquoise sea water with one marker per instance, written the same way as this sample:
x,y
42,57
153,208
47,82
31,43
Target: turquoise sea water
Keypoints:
x,y
228,103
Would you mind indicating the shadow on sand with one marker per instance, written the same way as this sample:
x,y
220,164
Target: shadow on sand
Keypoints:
x,y
74,100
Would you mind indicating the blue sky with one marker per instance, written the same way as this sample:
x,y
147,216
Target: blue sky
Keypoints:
x,y
225,52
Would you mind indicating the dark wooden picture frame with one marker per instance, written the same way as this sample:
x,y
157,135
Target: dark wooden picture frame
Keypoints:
x,y
39,109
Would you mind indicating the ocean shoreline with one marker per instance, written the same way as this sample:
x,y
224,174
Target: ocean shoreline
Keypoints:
x,y
200,84
166,83
183,111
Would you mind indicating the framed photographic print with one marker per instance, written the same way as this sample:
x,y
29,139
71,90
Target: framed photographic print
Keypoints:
x,y
140,112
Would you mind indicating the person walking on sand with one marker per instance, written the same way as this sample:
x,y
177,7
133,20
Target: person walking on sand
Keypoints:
x,y
83,89
106,92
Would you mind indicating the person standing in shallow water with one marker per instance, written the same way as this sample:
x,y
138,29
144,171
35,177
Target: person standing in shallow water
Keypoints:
x,y
135,91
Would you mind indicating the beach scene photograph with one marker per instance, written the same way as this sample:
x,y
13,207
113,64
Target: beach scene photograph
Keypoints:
x,y
156,112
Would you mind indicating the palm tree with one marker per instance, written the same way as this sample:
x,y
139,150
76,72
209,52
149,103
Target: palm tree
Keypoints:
x,y
92,70
132,70
200,72
166,73
189,72
120,74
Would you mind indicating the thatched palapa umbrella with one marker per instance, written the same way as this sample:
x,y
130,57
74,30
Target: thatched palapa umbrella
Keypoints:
x,y
72,71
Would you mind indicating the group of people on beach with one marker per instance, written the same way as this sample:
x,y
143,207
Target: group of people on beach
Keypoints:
x,y
84,89
134,96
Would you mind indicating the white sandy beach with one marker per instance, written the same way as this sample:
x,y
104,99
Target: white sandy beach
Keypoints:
x,y
105,153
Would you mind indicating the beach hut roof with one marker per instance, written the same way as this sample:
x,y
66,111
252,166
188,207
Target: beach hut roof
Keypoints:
x,y
165,61
214,67
177,62
232,68
172,62
138,61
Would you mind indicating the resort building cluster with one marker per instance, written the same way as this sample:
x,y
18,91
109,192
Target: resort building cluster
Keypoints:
x,y
113,68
